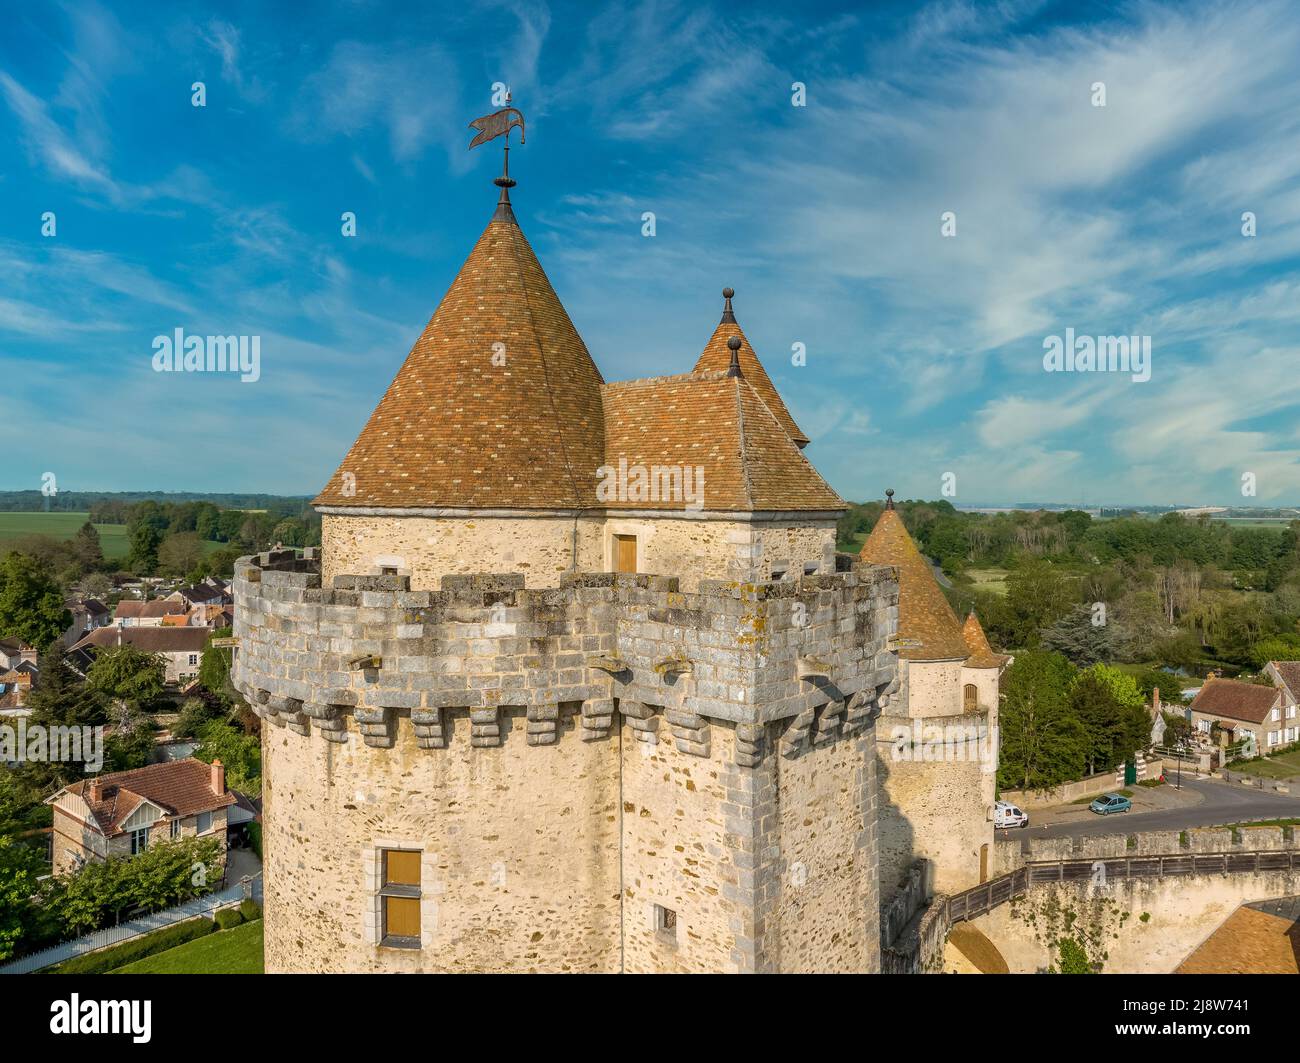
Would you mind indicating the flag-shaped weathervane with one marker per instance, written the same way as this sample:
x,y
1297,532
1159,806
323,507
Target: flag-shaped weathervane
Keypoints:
x,y
491,126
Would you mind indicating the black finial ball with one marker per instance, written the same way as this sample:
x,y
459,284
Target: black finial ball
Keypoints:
x,y
889,492
727,293
734,343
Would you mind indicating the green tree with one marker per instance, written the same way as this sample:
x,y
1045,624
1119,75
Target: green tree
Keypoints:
x,y
180,554
20,865
1073,957
214,667
1042,742
128,674
142,558
87,548
1037,596
31,604
240,753
1080,639
60,699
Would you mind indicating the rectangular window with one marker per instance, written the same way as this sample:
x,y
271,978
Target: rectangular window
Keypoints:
x,y
387,570
194,658
399,898
1274,716
203,822
176,828
624,553
666,922
139,841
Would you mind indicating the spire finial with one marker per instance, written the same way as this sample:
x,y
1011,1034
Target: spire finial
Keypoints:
x,y
728,316
494,125
889,498
733,344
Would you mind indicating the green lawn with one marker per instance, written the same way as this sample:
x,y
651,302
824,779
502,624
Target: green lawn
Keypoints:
x,y
237,951
60,525
1282,766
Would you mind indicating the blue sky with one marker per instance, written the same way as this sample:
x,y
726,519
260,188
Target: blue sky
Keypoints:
x,y
924,352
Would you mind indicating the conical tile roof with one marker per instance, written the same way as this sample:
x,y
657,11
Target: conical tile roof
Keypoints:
x,y
458,428
924,614
716,358
981,653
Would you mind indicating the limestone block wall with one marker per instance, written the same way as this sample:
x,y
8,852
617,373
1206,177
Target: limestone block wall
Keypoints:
x,y
543,548
428,548
565,760
936,779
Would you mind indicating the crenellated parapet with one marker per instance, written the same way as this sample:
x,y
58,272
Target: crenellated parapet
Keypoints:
x,y
508,663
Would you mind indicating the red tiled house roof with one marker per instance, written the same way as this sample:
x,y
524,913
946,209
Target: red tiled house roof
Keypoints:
x,y
178,787
1236,700
148,639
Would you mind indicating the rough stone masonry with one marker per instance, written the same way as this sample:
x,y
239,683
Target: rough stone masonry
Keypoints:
x,y
610,775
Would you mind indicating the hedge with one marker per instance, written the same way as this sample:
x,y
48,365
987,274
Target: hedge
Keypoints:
x,y
228,918
116,956
250,909
255,838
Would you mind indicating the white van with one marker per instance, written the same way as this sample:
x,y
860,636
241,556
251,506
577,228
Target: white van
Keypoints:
x,y
1005,814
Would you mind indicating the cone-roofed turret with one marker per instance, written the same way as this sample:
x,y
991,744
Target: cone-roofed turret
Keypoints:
x,y
924,615
716,357
498,405
981,653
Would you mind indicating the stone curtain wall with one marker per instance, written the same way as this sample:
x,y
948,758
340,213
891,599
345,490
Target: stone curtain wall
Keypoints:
x,y
540,746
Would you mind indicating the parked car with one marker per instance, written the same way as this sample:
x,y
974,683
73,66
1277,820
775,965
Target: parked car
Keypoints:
x,y
1005,814
1108,803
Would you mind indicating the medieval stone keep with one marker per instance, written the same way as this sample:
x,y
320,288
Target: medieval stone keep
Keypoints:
x,y
577,681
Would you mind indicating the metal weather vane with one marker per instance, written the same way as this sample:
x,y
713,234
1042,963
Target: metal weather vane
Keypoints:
x,y
499,123
491,126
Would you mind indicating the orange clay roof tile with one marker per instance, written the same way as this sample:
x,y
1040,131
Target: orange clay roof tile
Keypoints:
x,y
716,357
923,612
981,653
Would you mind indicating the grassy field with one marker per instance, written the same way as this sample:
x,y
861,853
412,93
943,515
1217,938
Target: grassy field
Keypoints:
x,y
112,537
236,951
993,580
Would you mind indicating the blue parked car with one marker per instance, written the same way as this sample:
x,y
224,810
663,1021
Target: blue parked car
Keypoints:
x,y
1108,803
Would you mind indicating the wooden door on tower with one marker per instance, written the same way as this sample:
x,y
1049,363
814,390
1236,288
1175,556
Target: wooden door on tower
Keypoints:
x,y
624,553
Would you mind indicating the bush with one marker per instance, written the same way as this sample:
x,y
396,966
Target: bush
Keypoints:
x,y
116,956
250,910
228,918
255,838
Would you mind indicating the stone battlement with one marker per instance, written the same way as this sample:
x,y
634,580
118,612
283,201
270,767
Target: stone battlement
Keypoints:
x,y
536,662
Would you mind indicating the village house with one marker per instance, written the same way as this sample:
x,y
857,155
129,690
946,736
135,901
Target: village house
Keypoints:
x,y
123,813
147,614
181,647
211,592
1246,711
86,616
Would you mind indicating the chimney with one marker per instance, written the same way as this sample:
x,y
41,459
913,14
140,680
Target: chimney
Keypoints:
x,y
1155,700
218,773
96,790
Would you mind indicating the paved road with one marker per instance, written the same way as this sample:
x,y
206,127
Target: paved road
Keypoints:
x,y
1219,803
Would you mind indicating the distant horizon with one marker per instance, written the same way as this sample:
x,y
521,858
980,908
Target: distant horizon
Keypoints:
x,y
899,496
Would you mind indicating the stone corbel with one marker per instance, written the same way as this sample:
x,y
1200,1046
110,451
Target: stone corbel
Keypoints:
x,y
429,733
485,727
597,718
543,721
690,731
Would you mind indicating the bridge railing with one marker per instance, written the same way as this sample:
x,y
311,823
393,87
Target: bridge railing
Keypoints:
x,y
989,895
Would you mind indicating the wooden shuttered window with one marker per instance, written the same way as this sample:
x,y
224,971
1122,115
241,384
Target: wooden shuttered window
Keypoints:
x,y
624,553
400,898
970,698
